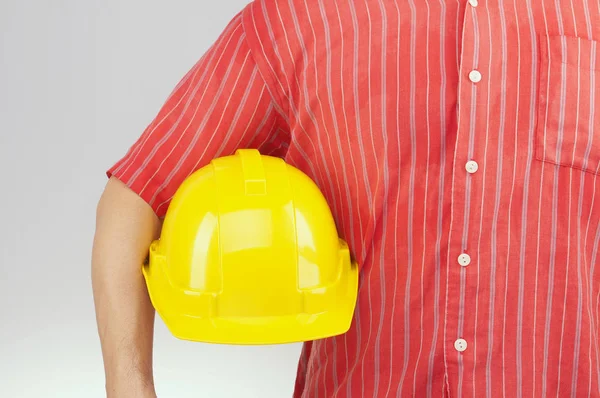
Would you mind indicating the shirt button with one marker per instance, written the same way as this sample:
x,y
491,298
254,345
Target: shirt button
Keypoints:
x,y
464,259
473,3
460,345
475,76
472,166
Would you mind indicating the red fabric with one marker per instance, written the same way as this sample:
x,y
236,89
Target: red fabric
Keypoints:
x,y
375,100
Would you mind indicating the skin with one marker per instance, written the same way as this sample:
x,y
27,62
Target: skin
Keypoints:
x,y
125,227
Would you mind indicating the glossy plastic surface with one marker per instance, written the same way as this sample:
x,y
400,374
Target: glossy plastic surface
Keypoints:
x,y
249,254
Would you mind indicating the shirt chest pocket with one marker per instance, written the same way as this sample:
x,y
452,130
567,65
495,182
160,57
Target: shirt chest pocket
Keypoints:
x,y
568,129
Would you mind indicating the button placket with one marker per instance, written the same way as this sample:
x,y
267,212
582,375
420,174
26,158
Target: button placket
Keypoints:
x,y
467,166
474,76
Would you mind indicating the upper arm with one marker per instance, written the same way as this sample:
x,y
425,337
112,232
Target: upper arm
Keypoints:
x,y
220,105
125,226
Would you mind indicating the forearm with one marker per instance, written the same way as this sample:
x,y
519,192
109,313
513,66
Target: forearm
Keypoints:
x,y
124,230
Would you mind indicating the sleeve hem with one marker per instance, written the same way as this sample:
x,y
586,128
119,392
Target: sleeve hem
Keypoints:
x,y
146,191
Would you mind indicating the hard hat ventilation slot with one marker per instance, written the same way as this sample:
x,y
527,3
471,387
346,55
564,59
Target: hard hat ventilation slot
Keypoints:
x,y
254,173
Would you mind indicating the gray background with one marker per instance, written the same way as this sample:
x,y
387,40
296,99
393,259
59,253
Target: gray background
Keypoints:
x,y
79,80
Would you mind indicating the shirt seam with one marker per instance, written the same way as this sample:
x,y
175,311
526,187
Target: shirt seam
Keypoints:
x,y
267,76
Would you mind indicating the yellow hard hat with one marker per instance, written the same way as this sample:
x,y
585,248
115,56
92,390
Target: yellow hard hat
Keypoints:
x,y
249,254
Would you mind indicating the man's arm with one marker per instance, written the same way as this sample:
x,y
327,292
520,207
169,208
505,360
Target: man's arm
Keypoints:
x,y
222,104
125,227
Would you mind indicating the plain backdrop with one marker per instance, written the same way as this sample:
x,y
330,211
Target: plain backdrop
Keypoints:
x,y
79,80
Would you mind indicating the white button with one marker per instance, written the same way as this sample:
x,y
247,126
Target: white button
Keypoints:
x,y
475,76
472,166
464,259
473,3
460,345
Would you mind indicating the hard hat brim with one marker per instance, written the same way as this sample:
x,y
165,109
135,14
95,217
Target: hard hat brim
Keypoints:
x,y
320,322
260,331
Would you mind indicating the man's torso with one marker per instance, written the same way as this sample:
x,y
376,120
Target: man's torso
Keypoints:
x,y
458,144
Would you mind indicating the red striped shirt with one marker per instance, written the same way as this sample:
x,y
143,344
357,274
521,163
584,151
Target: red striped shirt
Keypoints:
x,y
458,144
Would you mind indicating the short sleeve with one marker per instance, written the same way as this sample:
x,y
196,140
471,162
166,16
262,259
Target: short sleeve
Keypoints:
x,y
222,104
